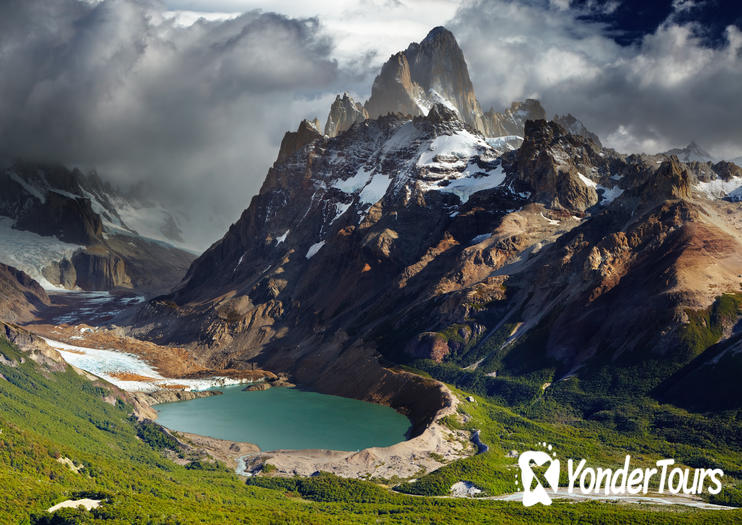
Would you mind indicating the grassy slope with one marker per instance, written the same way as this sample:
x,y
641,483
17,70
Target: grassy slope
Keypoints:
x,y
608,411
48,415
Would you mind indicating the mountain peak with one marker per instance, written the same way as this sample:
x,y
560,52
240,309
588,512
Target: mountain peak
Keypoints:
x,y
439,33
295,140
441,113
691,153
432,71
573,125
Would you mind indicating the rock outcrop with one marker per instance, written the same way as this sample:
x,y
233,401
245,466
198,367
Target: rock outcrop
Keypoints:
x,y
343,114
70,219
100,271
293,141
547,163
672,180
20,295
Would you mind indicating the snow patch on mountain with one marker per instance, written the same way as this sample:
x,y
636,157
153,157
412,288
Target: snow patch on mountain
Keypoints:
x,y
719,188
461,145
355,183
405,135
282,238
505,143
340,209
480,238
608,195
313,249
469,184
587,182
375,189
28,187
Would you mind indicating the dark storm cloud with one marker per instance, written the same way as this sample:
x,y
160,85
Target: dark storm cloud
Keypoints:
x,y
666,90
197,111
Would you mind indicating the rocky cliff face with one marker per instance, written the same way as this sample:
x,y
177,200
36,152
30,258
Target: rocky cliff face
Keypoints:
x,y
417,237
296,140
433,71
20,295
343,114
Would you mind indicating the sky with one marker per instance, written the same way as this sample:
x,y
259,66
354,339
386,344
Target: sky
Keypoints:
x,y
193,96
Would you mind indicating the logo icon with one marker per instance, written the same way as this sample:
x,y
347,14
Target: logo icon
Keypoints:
x,y
540,471
536,482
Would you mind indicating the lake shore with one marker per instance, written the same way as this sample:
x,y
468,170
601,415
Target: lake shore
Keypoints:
x,y
431,446
434,447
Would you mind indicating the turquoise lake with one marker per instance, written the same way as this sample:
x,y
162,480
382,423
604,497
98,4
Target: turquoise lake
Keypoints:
x,y
287,418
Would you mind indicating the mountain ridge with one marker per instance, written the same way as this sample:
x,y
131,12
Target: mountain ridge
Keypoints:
x,y
523,252
67,230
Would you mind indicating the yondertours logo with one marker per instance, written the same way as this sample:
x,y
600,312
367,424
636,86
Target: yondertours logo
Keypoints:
x,y
540,471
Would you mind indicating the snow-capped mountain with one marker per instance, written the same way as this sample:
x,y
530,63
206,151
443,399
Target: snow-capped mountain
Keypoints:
x,y
691,153
434,72
415,235
67,229
575,127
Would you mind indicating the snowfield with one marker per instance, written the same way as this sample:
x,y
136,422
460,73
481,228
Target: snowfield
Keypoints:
x,y
718,189
462,145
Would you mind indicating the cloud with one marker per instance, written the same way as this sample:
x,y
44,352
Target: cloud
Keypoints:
x,y
189,95
197,111
665,91
358,28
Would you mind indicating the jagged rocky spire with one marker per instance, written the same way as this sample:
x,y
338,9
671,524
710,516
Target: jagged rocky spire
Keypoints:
x,y
435,71
432,71
343,114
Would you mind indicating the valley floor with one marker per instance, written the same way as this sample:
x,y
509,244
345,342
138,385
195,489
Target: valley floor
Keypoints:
x,y
53,417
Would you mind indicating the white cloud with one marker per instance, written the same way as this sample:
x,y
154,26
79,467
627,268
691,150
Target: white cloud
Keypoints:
x,y
665,91
357,27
